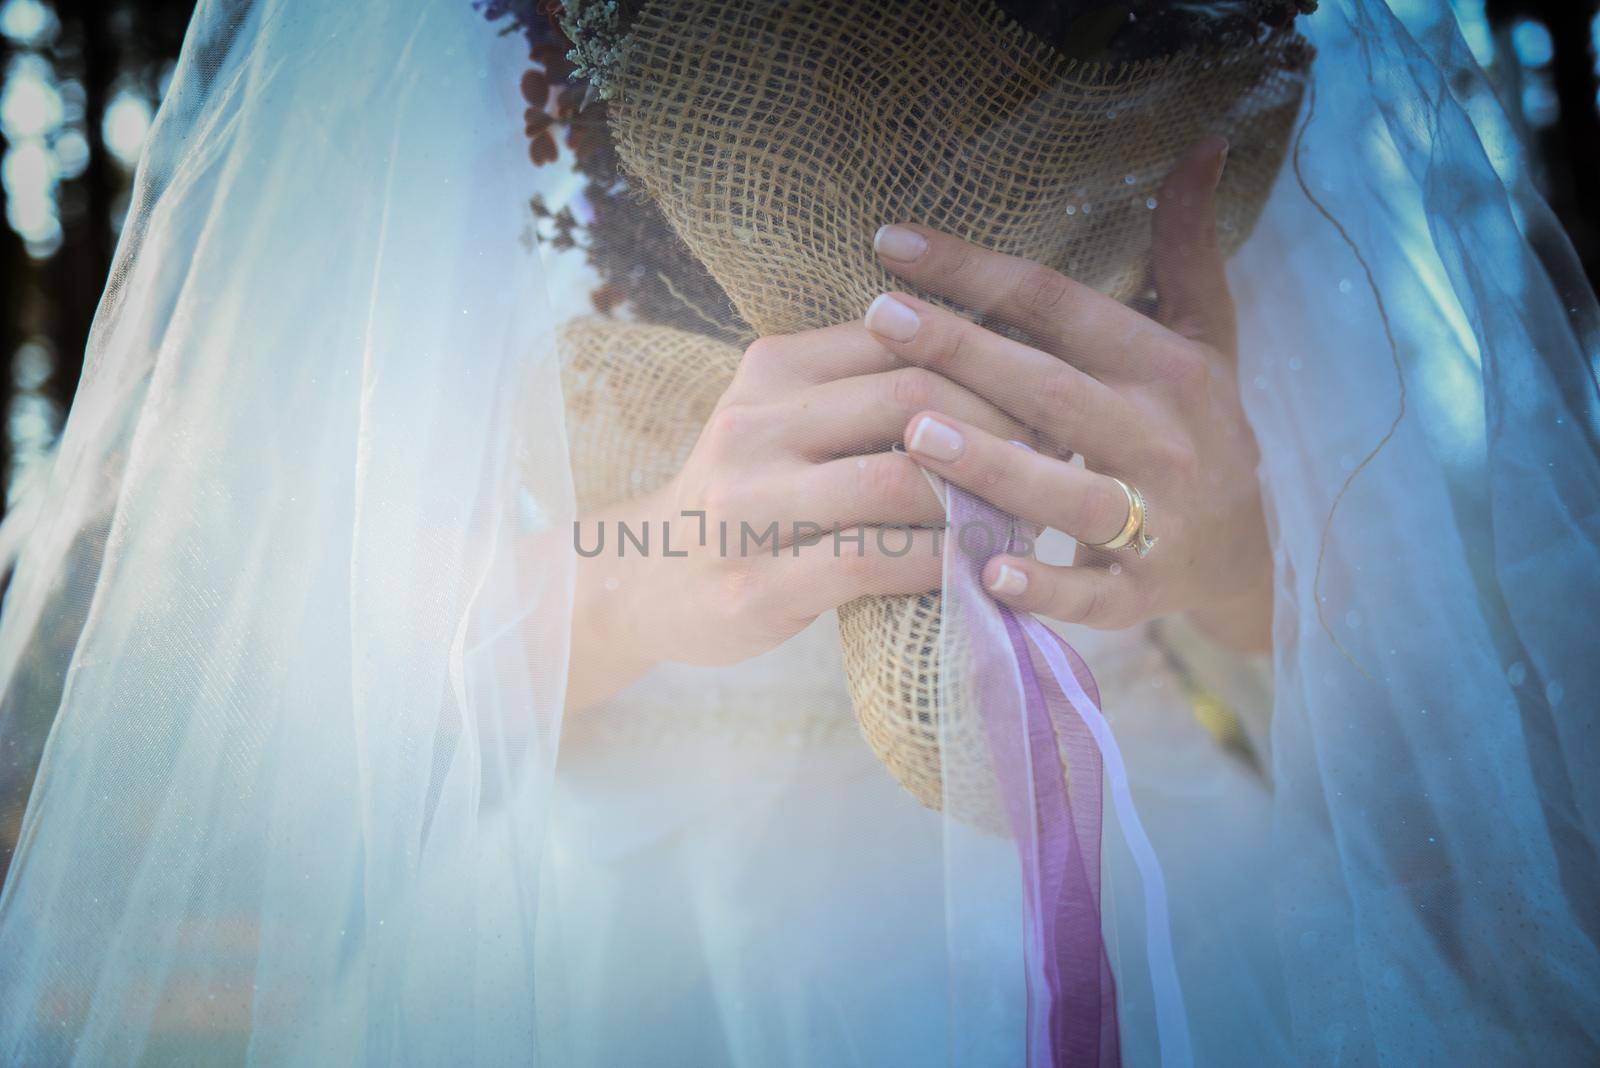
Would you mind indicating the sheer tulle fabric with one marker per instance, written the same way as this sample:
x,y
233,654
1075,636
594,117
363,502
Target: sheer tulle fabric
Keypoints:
x,y
1433,755
294,799
300,584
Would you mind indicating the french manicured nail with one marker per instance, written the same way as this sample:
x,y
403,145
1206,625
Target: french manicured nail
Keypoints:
x,y
892,319
898,243
1009,581
935,440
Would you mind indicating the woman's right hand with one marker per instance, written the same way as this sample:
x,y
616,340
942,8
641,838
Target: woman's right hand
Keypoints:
x,y
794,452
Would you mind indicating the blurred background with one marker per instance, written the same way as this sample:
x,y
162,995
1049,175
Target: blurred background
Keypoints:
x,y
80,81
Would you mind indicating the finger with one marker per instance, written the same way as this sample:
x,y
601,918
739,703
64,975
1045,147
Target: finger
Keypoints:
x,y
1191,279
822,355
1071,409
882,488
780,503
860,562
1089,596
1066,318
851,416
1091,507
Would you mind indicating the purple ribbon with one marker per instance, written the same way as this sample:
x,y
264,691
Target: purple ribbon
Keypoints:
x,y
1049,745
1055,819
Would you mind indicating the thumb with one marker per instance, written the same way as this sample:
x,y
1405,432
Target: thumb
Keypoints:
x,y
1191,282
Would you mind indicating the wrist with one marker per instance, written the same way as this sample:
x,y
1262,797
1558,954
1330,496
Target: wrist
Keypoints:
x,y
614,641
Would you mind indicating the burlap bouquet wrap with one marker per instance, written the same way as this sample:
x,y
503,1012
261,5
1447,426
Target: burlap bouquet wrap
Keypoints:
x,y
777,138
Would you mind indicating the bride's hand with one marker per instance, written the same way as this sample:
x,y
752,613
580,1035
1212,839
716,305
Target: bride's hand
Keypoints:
x,y
1153,402
796,447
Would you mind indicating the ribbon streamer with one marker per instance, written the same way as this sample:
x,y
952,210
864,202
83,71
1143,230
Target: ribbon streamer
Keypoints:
x,y
1050,746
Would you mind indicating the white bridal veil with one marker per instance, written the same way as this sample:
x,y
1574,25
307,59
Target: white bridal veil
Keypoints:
x,y
296,596
311,714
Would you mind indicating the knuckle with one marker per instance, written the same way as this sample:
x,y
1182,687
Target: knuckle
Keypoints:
x,y
1041,290
1185,371
1061,599
911,389
725,496
950,343
961,259
958,343
886,477
762,351
1094,604
1061,393
732,427
1176,460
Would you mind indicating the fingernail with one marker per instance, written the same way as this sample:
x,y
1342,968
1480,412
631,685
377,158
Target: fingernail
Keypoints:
x,y
1009,581
935,440
892,319
898,243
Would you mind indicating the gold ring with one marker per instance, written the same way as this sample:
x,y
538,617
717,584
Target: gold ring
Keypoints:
x,y
1133,534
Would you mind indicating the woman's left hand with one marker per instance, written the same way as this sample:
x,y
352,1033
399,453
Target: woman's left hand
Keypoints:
x,y
1153,402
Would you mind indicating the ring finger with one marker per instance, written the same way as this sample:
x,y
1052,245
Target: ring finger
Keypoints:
x,y
1090,507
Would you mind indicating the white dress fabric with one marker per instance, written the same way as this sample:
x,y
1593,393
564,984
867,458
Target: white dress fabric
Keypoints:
x,y
730,861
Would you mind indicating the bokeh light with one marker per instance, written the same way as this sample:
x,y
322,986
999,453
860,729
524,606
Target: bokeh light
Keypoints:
x,y
1533,43
28,22
126,124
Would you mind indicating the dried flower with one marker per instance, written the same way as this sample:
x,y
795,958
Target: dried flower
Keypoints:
x,y
642,265
536,87
599,40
